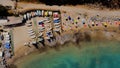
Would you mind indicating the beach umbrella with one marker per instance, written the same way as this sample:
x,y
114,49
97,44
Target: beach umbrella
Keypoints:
x,y
40,34
24,16
42,12
28,16
55,15
46,13
7,45
50,13
37,12
83,21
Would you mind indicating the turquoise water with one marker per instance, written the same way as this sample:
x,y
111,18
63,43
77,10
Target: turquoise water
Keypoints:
x,y
88,55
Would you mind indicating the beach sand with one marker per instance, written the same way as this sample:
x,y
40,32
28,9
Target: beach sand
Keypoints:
x,y
21,36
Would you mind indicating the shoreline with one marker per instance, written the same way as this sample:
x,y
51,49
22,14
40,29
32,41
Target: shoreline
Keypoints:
x,y
71,34
19,54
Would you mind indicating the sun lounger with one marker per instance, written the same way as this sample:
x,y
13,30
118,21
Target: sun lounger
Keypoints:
x,y
47,37
28,25
32,37
5,33
58,26
40,34
56,29
6,38
40,39
31,34
30,29
55,18
47,22
34,42
7,41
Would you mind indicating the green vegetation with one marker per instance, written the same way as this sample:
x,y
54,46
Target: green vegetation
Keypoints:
x,y
107,3
3,11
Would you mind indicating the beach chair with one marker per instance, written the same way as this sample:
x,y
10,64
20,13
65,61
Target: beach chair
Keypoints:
x,y
31,34
29,25
32,37
41,34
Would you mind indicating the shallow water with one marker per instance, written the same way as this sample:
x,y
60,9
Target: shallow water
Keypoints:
x,y
89,55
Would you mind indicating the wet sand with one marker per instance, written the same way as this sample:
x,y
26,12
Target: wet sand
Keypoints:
x,y
86,35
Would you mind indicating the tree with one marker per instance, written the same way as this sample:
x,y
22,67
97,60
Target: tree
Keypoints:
x,y
3,11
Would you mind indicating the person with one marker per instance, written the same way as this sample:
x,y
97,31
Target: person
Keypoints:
x,y
78,18
66,19
92,23
69,17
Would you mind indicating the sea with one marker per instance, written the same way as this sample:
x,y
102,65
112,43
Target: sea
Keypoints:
x,y
97,54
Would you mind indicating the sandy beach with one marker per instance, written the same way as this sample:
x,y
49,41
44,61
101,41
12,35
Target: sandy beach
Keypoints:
x,y
70,34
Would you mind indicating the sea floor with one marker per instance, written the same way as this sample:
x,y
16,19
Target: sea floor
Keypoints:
x,y
85,55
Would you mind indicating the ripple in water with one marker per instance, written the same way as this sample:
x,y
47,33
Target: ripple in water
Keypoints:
x,y
94,55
